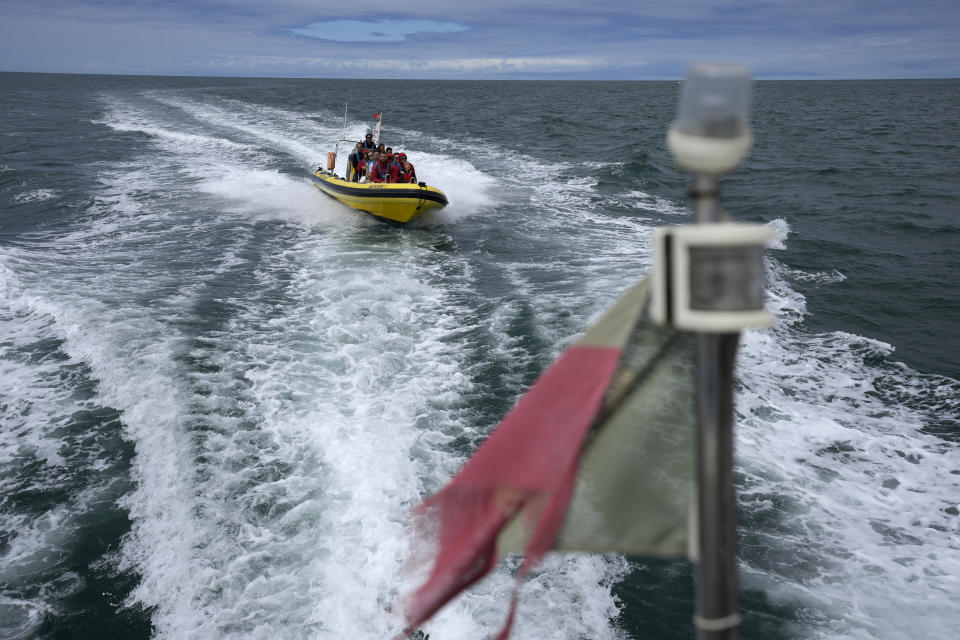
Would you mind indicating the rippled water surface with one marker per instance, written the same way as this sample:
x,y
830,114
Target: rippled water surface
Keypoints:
x,y
223,391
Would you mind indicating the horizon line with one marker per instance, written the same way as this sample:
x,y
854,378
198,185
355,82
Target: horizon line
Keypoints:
x,y
469,79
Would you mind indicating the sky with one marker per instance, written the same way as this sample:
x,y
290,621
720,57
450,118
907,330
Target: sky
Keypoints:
x,y
482,39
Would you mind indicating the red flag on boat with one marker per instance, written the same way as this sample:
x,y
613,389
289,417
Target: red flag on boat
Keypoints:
x,y
596,456
376,116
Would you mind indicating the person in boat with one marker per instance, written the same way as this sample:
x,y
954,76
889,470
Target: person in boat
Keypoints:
x,y
368,142
382,149
407,172
355,160
368,162
393,164
381,171
361,174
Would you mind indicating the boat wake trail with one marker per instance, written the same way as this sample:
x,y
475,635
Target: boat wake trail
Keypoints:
x,y
225,392
281,383
845,478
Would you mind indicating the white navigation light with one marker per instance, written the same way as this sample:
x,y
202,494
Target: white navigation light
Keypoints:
x,y
711,134
709,277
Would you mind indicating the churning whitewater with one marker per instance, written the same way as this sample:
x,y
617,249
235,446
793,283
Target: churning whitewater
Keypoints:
x,y
224,392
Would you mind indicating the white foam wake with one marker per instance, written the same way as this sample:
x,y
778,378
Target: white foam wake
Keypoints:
x,y
849,497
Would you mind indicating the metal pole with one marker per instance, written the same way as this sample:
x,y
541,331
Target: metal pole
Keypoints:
x,y
717,617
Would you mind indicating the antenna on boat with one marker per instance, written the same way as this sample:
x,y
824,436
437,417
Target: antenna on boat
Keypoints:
x,y
344,137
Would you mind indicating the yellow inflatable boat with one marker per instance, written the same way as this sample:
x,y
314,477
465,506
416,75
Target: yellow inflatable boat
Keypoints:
x,y
398,203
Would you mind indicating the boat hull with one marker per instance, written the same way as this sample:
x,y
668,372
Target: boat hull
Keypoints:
x,y
393,202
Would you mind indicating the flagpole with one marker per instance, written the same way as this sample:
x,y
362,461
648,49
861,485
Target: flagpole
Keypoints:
x,y
717,617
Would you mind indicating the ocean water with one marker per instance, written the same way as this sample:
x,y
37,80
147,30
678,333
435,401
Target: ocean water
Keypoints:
x,y
222,391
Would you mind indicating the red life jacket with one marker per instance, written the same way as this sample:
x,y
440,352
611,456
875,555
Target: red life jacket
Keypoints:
x,y
394,168
380,173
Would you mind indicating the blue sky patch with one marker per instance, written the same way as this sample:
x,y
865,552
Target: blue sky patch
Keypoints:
x,y
376,30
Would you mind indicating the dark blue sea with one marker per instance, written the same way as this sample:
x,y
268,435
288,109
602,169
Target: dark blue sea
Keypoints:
x,y
222,391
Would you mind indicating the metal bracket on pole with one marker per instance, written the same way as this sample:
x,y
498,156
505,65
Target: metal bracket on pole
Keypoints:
x,y
709,277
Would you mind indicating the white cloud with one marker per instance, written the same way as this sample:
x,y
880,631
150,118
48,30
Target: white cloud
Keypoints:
x,y
451,66
562,38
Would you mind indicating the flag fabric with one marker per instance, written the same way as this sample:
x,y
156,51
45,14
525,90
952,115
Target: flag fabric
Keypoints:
x,y
596,456
377,117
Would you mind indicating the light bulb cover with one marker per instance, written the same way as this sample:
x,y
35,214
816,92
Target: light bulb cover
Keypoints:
x,y
711,133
